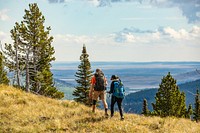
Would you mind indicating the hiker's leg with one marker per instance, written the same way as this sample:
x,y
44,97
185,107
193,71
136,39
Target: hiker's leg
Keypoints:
x,y
103,98
112,105
94,100
94,105
119,103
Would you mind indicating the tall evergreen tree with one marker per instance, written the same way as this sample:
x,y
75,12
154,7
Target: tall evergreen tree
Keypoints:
x,y
32,53
3,74
145,110
197,107
169,100
189,111
83,75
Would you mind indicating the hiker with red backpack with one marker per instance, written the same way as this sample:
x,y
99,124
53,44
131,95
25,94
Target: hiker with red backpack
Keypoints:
x,y
118,92
98,90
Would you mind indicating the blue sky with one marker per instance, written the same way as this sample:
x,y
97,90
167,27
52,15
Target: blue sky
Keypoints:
x,y
115,30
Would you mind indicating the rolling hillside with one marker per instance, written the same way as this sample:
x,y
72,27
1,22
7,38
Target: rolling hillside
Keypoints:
x,y
65,87
28,113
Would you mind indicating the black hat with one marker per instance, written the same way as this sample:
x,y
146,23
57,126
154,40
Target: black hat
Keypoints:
x,y
113,77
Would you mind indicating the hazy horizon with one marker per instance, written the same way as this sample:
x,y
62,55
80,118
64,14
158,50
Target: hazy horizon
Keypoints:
x,y
134,75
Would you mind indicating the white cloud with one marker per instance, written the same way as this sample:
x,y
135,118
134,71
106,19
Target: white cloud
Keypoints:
x,y
181,34
195,30
5,37
133,44
2,35
130,38
68,47
133,35
3,15
94,2
72,38
100,3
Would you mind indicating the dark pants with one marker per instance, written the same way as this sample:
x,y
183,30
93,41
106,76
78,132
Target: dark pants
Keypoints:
x,y
119,103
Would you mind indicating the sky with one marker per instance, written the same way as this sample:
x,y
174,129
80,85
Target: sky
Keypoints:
x,y
114,30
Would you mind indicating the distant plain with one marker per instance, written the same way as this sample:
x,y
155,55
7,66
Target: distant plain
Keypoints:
x,y
135,75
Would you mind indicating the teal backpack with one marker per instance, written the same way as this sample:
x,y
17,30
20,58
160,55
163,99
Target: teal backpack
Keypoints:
x,y
119,90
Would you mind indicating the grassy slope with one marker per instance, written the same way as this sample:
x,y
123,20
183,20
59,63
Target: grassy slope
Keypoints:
x,y
24,112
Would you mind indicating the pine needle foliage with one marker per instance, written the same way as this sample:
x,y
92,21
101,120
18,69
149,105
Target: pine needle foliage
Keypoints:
x,y
31,53
3,74
145,110
189,112
169,100
83,75
197,107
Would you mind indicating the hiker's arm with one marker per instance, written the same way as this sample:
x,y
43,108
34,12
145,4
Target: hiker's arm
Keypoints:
x,y
91,90
111,87
91,87
106,82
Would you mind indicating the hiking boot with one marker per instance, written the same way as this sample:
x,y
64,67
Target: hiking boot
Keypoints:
x,y
122,118
93,108
106,115
111,115
106,112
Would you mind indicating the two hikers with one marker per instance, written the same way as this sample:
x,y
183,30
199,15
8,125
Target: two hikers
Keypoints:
x,y
98,90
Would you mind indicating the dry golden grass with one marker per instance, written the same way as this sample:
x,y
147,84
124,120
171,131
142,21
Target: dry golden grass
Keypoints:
x,y
27,113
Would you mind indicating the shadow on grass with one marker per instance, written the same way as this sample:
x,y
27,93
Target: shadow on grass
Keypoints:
x,y
92,119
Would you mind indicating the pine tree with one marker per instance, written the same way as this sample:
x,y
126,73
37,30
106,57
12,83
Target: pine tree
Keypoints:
x,y
189,111
83,75
14,57
31,53
3,74
169,100
197,107
145,109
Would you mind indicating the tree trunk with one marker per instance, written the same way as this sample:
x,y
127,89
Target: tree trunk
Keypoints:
x,y
17,62
27,71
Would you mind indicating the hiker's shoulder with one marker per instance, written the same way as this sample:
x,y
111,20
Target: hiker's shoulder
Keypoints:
x,y
93,80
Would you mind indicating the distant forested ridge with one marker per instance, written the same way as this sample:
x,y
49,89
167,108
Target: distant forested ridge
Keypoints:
x,y
133,102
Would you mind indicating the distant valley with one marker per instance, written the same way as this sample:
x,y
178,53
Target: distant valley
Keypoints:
x,y
138,79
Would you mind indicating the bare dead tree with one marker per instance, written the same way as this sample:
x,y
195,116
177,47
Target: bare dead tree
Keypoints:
x,y
192,93
198,71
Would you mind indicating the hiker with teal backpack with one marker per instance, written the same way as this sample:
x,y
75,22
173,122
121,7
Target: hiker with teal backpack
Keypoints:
x,y
118,92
